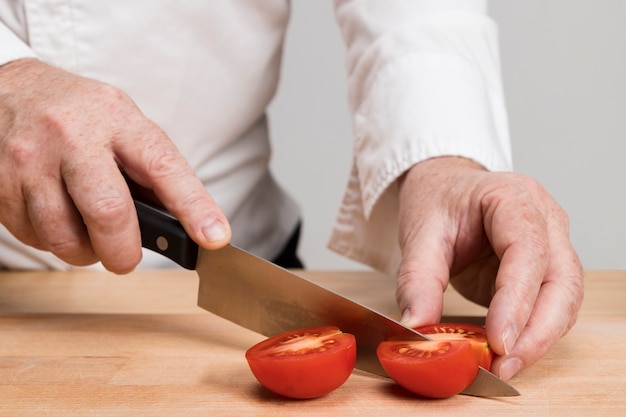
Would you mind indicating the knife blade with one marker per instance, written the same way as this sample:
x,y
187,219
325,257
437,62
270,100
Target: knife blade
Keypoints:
x,y
267,299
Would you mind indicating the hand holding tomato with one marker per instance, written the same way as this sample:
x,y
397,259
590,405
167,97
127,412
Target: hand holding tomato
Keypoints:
x,y
502,241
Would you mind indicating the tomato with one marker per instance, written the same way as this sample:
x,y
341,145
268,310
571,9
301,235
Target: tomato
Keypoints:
x,y
435,369
304,363
476,335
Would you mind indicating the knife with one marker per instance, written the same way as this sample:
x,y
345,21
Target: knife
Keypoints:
x,y
268,299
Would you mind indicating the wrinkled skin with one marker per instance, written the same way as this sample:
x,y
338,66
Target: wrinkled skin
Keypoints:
x,y
63,140
502,241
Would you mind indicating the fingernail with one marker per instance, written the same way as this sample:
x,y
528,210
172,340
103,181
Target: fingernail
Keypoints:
x,y
509,368
508,339
406,316
214,229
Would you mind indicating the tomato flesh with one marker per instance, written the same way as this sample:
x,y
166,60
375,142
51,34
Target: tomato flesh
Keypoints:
x,y
304,363
435,369
472,333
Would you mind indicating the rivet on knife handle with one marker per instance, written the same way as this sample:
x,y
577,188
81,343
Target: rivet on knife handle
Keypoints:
x,y
162,233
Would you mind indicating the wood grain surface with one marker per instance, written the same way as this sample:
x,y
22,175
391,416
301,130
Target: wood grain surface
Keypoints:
x,y
89,343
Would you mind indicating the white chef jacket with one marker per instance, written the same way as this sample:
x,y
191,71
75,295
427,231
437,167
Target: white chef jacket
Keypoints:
x,y
423,81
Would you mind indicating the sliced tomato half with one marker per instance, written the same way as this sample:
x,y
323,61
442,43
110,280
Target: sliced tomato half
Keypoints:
x,y
435,369
304,363
472,333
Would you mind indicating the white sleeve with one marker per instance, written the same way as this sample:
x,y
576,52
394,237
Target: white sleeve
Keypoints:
x,y
12,47
423,81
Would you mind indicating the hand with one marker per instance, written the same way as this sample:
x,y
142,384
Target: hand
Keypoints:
x,y
63,140
501,241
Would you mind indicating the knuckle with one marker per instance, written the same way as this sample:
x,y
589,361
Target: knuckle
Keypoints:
x,y
574,293
71,249
57,119
530,184
21,153
192,202
107,213
65,238
110,92
112,97
163,161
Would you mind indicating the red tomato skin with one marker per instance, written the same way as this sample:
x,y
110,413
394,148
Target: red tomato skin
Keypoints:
x,y
303,376
463,331
440,376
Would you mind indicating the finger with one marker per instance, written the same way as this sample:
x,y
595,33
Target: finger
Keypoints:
x,y
423,277
518,232
557,304
555,313
58,225
100,194
517,285
157,165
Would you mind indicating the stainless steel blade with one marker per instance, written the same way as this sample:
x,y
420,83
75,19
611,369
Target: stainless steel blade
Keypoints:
x,y
267,299
487,384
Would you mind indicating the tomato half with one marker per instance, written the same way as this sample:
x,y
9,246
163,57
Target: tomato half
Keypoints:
x,y
304,363
435,369
476,335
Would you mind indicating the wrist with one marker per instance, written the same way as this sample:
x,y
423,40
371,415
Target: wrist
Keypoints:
x,y
441,166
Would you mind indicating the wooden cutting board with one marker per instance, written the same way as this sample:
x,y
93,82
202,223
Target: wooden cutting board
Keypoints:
x,y
94,344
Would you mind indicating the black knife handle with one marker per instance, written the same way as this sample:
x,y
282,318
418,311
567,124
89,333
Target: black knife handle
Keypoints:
x,y
162,233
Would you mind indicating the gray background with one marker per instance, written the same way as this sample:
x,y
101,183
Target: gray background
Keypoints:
x,y
563,68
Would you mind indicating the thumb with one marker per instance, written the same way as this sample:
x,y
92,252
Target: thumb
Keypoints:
x,y
423,277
